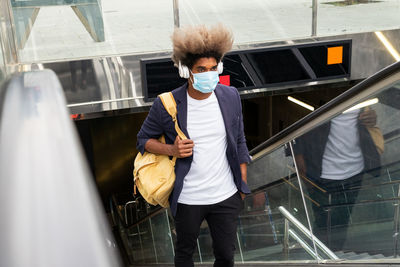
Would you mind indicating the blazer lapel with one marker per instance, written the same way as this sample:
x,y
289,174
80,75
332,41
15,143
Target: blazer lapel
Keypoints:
x,y
223,105
181,106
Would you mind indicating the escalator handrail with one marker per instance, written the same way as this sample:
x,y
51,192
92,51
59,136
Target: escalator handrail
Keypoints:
x,y
311,119
120,217
116,212
52,212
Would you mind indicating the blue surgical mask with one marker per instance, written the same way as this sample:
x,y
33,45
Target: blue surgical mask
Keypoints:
x,y
205,82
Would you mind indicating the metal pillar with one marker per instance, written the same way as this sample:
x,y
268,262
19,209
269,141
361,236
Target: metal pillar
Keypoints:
x,y
314,18
176,13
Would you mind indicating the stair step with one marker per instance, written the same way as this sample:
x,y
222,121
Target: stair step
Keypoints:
x,y
379,256
340,254
358,256
347,255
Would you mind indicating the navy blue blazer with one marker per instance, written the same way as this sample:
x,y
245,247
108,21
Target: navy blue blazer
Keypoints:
x,y
159,122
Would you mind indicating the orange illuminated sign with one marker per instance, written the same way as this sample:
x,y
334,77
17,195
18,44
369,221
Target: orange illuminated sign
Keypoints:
x,y
335,55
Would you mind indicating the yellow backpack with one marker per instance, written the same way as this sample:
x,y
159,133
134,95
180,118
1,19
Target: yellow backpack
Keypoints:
x,y
154,175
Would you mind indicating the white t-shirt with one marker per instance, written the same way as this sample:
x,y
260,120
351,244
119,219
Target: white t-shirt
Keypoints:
x,y
210,178
343,157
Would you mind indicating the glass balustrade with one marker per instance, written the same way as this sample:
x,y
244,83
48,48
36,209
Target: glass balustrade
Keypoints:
x,y
262,226
149,241
260,234
349,168
54,30
354,16
252,22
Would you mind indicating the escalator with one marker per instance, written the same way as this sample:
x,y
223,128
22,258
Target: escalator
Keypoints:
x,y
293,216
54,218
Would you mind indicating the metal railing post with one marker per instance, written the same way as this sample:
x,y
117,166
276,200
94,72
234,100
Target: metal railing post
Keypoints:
x,y
169,232
240,247
286,240
303,198
198,248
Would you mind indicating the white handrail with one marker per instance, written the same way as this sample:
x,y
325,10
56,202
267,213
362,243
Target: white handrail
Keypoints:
x,y
51,211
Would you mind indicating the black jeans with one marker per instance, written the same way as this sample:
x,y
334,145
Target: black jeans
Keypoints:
x,y
222,219
342,194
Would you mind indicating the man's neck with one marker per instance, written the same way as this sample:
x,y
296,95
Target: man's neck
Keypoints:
x,y
193,93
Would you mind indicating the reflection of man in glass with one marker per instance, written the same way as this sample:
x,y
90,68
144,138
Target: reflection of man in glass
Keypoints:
x,y
336,156
76,67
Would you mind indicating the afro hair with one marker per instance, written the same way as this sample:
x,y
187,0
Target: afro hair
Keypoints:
x,y
193,42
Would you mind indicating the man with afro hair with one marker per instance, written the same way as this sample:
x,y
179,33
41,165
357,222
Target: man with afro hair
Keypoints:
x,y
211,169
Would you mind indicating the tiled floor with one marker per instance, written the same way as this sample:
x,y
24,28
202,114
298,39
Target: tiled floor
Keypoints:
x,y
135,26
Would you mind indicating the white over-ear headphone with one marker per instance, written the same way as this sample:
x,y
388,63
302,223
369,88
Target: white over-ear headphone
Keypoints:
x,y
220,67
185,73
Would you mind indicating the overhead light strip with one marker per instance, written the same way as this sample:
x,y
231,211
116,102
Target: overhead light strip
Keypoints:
x,y
301,103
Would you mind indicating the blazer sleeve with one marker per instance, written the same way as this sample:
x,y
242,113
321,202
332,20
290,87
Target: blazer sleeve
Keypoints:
x,y
151,127
243,152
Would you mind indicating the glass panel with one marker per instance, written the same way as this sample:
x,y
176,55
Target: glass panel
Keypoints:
x,y
262,225
51,30
353,16
204,251
162,238
59,32
134,246
48,30
151,241
2,63
205,244
270,168
7,47
349,167
254,21
147,239
78,80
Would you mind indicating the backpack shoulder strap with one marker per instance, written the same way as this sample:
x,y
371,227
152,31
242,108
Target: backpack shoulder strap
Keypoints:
x,y
169,103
